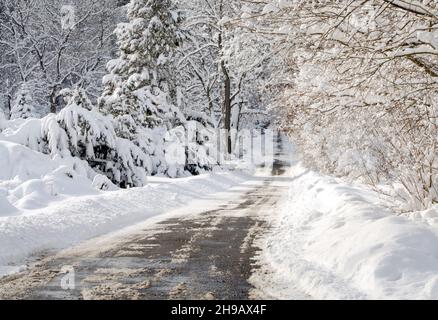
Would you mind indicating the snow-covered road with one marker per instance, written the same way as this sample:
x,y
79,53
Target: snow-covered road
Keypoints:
x,y
285,233
203,251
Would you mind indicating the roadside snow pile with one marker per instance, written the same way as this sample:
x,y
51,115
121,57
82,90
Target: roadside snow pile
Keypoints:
x,y
31,180
75,219
333,241
429,217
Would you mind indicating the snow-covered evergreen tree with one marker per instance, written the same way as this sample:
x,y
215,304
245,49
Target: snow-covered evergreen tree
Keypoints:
x,y
23,105
138,91
201,145
201,151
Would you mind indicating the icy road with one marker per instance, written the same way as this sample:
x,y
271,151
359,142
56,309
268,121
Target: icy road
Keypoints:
x,y
205,251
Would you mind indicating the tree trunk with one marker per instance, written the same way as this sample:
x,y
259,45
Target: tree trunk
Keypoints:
x,y
9,104
210,104
226,109
53,103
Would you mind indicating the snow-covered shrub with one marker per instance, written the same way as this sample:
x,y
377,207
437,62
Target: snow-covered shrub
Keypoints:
x,y
81,131
175,151
101,182
201,145
410,149
23,106
130,167
91,136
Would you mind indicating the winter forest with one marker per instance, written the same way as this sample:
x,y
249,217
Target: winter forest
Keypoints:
x,y
104,96
353,82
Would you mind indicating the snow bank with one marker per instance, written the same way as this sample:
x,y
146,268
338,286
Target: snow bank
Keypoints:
x,y
332,241
32,180
75,219
429,217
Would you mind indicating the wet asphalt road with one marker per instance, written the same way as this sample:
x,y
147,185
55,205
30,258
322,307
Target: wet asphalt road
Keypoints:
x,y
206,255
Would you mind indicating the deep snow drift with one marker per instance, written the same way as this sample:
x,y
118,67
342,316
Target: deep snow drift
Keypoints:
x,y
32,180
336,241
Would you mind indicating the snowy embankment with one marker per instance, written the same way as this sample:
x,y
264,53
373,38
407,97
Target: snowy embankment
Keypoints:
x,y
51,204
334,241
